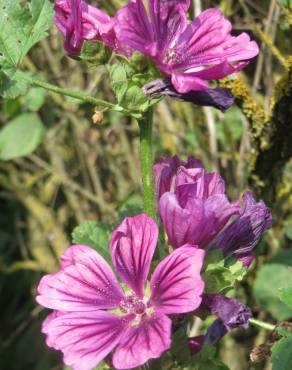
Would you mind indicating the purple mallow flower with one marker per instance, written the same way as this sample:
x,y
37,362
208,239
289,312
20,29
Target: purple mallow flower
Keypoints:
x,y
79,22
191,53
230,312
194,209
94,316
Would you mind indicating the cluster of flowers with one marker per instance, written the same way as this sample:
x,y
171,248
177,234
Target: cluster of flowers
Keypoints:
x,y
94,315
188,54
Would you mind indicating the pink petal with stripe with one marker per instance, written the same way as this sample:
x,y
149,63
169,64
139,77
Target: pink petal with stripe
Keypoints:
x,y
85,338
149,339
132,247
85,283
176,284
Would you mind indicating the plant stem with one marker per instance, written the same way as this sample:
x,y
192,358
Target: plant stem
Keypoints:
x,y
145,125
262,324
75,94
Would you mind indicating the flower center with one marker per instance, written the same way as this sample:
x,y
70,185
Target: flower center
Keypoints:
x,y
133,304
172,57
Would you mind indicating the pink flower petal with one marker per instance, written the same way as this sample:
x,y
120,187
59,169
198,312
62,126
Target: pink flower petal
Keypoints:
x,y
143,342
181,225
133,29
188,219
84,283
85,338
132,247
45,327
153,34
176,283
79,21
185,82
218,71
214,183
207,40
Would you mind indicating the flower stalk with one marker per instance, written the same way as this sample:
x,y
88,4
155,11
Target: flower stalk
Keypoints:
x,y
146,160
262,324
77,95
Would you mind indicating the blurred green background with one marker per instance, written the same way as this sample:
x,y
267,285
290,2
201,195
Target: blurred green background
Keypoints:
x,y
79,170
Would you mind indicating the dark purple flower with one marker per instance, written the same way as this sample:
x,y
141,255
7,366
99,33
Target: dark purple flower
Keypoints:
x,y
79,21
191,53
219,97
231,315
192,203
241,237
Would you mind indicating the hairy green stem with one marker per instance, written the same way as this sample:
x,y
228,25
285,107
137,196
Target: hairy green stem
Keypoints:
x,y
75,94
145,125
262,324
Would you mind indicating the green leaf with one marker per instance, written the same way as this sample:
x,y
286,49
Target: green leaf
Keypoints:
x,y
282,355
131,206
270,279
35,98
11,107
284,329
284,257
21,136
206,359
94,234
135,99
120,74
180,347
127,86
285,295
21,27
221,274
15,85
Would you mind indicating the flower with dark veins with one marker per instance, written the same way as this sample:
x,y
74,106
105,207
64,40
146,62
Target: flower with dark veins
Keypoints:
x,y
94,316
190,54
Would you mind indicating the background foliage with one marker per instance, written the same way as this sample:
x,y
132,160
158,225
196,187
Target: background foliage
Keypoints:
x,y
59,168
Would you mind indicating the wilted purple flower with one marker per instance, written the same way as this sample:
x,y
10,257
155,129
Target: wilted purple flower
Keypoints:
x,y
79,21
191,53
240,237
194,209
219,97
93,315
231,315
